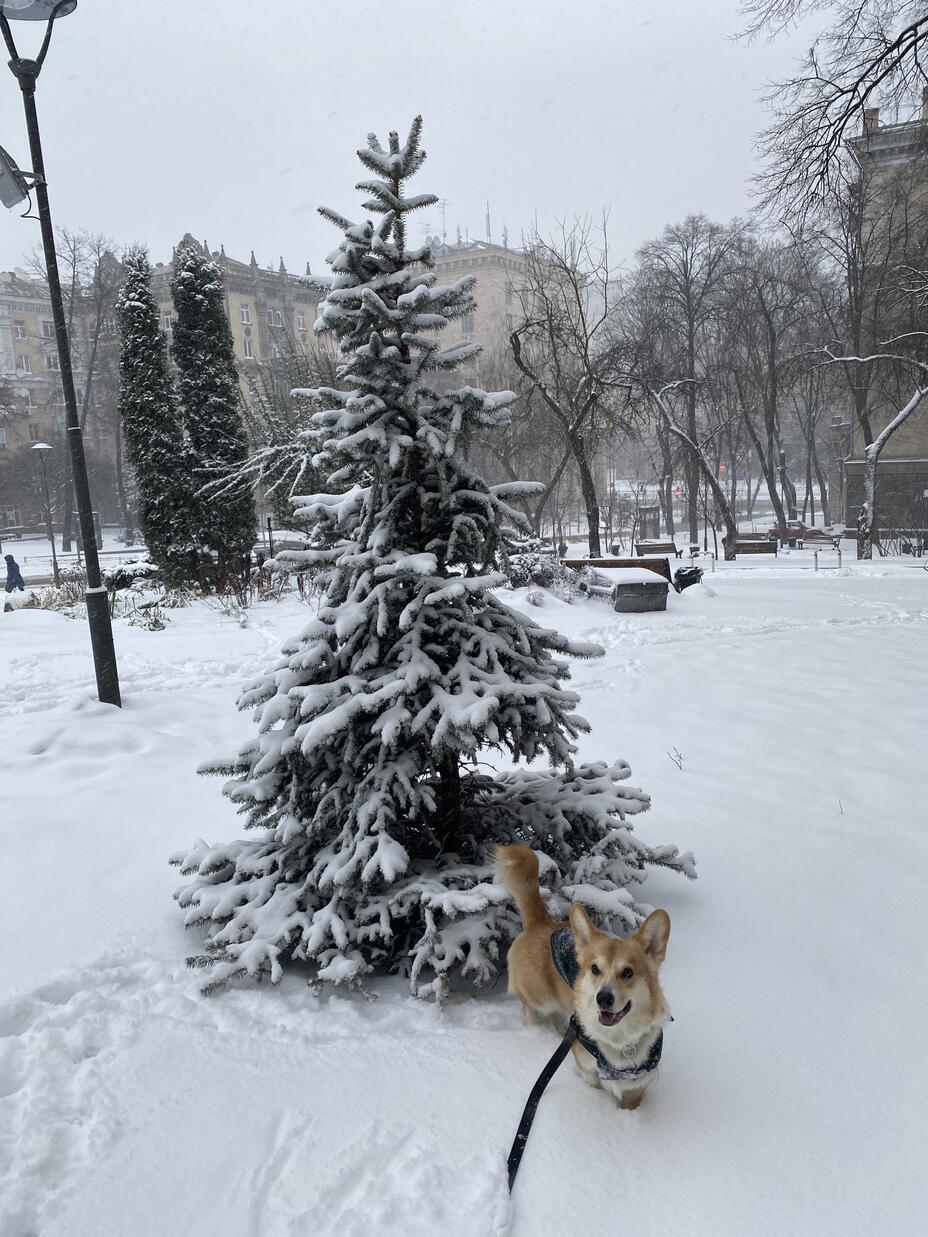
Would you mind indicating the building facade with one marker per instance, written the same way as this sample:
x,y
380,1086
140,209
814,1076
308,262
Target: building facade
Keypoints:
x,y
31,403
271,312
498,271
892,162
28,360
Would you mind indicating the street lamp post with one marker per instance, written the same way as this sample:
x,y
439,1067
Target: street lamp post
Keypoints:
x,y
43,448
26,72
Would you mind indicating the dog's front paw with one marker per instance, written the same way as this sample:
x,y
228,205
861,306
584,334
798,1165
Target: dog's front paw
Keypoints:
x,y
590,1076
631,1099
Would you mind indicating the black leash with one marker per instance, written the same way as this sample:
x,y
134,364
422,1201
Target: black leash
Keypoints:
x,y
531,1105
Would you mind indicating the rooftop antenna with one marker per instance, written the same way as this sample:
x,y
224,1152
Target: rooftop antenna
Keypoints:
x,y
505,237
444,204
459,233
489,239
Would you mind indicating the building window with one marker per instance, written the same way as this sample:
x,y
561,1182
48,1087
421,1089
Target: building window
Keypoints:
x,y
509,322
34,434
301,322
279,318
168,322
249,351
467,325
246,314
51,361
23,363
509,296
20,331
270,317
2,439
48,329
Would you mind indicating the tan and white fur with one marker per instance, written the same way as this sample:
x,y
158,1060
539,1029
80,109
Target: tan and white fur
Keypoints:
x,y
617,997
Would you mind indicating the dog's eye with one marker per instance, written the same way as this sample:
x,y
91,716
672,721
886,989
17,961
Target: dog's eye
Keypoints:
x,y
595,969
626,973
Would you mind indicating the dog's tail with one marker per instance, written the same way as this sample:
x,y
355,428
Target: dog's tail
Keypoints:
x,y
517,868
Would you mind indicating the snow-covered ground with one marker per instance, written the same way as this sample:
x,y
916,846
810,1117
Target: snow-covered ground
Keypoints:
x,y
35,558
778,719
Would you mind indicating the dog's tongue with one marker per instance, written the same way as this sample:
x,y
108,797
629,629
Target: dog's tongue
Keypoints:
x,y
609,1017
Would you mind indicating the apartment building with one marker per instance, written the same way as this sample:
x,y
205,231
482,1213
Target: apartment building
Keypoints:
x,y
271,311
893,168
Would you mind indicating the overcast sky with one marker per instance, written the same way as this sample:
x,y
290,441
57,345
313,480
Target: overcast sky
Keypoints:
x,y
234,119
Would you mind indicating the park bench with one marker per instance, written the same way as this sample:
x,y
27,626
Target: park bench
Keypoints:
x,y
643,548
818,536
755,545
659,565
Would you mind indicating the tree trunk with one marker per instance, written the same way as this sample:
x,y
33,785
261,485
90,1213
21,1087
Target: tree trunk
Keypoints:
x,y
448,806
550,490
125,511
691,467
768,476
752,495
697,456
822,486
865,516
665,488
588,490
789,490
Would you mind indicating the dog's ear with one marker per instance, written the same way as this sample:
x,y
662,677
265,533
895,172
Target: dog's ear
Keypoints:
x,y
581,925
654,934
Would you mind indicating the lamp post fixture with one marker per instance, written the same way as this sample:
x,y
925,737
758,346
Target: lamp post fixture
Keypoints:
x,y
43,448
26,72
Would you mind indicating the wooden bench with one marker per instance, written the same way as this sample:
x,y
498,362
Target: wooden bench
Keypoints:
x,y
818,536
659,565
643,548
755,546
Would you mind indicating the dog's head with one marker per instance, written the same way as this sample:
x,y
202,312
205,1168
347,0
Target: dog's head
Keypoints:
x,y
617,994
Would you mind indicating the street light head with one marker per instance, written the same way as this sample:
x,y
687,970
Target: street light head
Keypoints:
x,y
36,10
13,187
42,446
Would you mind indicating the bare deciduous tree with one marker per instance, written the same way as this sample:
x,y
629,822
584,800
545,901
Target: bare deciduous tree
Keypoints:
x,y
869,53
688,269
562,345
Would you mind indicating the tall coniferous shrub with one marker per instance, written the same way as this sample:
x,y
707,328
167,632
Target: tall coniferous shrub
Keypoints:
x,y
155,443
212,407
373,808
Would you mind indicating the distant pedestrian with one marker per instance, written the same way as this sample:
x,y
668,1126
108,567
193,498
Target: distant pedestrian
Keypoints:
x,y
14,577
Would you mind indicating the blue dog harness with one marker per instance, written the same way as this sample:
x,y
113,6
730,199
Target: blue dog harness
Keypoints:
x,y
564,956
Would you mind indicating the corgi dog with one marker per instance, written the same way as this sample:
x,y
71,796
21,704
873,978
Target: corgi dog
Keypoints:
x,y
609,985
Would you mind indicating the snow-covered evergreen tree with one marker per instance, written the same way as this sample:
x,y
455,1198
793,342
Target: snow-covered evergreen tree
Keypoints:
x,y
212,407
154,437
366,783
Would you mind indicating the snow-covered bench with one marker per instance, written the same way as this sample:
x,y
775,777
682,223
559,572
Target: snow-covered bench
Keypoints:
x,y
659,565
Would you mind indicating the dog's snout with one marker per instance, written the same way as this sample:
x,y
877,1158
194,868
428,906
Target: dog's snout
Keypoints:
x,y
605,998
